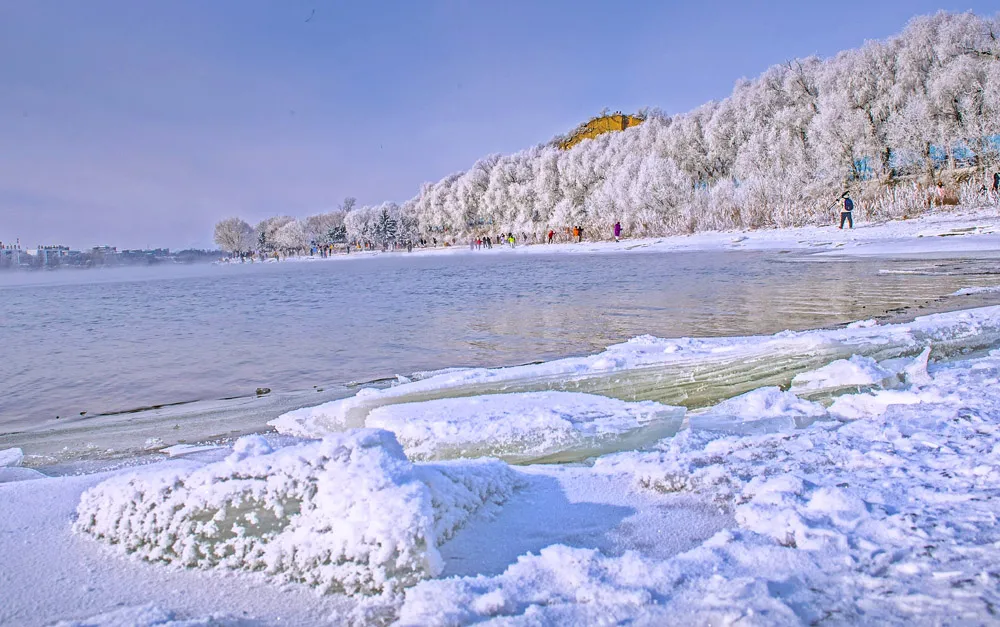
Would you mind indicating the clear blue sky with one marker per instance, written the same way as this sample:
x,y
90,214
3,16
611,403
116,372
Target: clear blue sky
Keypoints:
x,y
142,123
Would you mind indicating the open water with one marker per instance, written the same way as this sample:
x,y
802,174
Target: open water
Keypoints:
x,y
189,346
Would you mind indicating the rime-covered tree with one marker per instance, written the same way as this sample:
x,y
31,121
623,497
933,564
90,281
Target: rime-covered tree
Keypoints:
x,y
266,232
234,236
903,111
291,238
386,225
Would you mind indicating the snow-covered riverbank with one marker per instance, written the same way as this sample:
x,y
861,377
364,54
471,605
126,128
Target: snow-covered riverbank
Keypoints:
x,y
951,232
866,490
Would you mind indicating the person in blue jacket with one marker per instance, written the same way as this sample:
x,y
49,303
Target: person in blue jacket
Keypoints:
x,y
846,213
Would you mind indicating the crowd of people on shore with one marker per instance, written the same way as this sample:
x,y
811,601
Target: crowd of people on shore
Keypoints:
x,y
571,234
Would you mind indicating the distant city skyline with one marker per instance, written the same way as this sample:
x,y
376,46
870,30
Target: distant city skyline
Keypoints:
x,y
140,126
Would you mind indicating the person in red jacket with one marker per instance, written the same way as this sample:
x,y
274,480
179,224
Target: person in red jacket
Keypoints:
x,y
551,235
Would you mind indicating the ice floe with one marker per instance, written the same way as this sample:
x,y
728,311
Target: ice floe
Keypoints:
x,y
526,427
694,372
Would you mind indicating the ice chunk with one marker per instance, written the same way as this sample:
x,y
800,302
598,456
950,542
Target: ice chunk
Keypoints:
x,y
178,450
695,372
857,371
11,457
765,410
526,427
348,513
916,371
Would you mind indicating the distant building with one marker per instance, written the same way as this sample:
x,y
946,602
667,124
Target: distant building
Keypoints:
x,y
51,255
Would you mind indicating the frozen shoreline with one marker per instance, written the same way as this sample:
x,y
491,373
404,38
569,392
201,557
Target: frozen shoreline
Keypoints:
x,y
868,492
951,232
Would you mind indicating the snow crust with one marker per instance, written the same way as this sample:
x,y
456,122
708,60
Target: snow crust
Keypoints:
x,y
348,514
527,427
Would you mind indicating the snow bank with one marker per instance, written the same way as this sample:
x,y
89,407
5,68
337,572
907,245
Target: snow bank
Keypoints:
x,y
349,513
695,372
527,427
893,502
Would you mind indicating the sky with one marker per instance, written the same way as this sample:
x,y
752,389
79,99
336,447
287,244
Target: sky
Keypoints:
x,y
142,124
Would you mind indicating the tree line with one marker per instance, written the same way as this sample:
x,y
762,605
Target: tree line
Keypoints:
x,y
885,121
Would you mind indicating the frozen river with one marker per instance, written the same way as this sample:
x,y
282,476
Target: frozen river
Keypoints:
x,y
87,346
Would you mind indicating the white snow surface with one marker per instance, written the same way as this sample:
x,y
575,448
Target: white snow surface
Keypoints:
x,y
349,513
873,504
527,427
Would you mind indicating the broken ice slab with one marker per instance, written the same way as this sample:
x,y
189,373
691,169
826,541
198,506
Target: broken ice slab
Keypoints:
x,y
693,372
532,427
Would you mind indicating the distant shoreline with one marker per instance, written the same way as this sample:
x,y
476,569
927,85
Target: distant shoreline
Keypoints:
x,y
958,231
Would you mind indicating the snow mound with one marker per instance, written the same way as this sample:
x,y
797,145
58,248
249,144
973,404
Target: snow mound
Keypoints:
x,y
602,590
349,513
858,371
526,427
572,586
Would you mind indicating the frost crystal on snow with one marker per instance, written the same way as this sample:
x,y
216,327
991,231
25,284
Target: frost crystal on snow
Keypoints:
x,y
349,513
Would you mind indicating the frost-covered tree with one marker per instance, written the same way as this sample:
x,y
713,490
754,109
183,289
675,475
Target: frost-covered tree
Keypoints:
x,y
291,238
234,236
900,112
386,226
326,228
266,233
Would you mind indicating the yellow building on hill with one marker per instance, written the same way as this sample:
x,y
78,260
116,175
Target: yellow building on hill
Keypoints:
x,y
602,124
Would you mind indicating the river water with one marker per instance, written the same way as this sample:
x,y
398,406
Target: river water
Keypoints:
x,y
82,347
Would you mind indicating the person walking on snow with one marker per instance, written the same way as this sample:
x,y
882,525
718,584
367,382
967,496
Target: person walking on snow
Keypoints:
x,y
618,230
551,234
846,213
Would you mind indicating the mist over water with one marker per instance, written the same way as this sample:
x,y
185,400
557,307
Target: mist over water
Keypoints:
x,y
111,341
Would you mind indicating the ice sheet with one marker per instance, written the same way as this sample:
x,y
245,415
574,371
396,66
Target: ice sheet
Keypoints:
x,y
527,427
693,372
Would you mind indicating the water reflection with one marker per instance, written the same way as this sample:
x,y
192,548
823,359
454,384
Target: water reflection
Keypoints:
x,y
93,343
